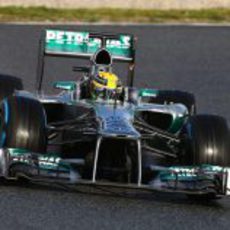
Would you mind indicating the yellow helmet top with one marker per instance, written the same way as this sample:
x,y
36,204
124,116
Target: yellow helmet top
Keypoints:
x,y
105,84
105,80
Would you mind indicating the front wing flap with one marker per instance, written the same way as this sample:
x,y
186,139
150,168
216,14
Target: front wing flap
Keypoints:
x,y
51,167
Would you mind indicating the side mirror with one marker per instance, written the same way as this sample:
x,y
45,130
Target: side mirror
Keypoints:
x,y
147,95
65,85
148,92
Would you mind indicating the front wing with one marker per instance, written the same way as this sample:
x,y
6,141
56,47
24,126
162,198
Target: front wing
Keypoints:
x,y
51,168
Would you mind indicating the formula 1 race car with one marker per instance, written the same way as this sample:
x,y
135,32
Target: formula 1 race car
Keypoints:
x,y
98,132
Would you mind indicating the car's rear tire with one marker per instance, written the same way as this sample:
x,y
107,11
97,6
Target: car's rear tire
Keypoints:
x,y
176,96
8,85
207,142
23,124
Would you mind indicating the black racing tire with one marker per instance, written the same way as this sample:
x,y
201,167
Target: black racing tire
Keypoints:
x,y
23,124
207,141
8,85
176,96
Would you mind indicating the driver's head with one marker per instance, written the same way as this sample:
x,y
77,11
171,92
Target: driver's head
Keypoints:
x,y
105,84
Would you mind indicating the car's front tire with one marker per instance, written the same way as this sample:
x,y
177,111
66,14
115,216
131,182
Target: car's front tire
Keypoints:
x,y
23,124
207,142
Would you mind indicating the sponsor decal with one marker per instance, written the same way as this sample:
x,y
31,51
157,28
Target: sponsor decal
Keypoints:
x,y
184,173
75,38
47,161
63,37
189,172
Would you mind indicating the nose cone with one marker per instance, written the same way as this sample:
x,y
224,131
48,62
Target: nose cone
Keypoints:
x,y
119,127
116,122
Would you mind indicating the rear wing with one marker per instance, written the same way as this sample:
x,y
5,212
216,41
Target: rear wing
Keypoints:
x,y
61,43
85,44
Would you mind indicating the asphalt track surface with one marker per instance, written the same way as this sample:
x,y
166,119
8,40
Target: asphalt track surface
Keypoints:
x,y
192,58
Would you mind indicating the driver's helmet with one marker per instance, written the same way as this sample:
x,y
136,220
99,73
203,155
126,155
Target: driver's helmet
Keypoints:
x,y
105,85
